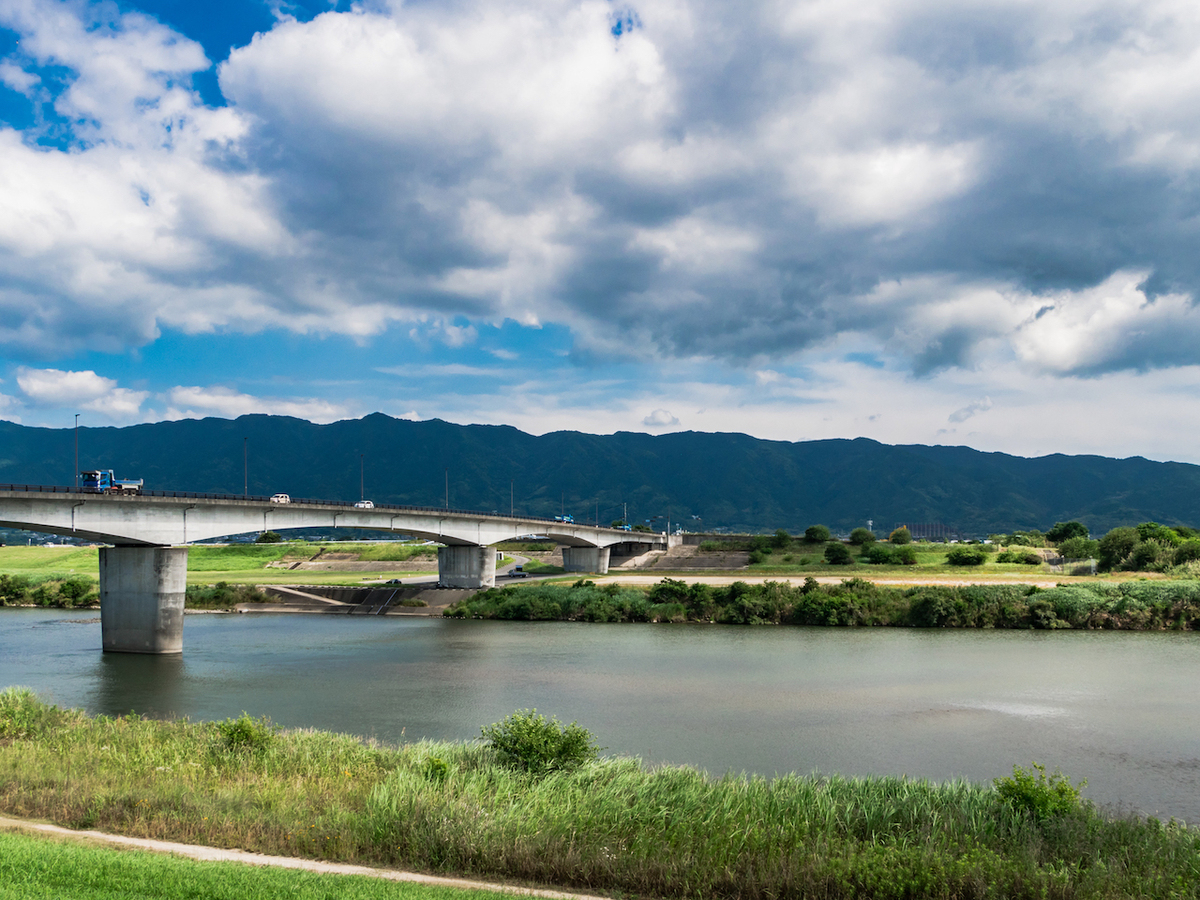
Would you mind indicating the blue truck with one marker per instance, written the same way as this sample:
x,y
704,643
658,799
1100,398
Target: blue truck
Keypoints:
x,y
102,481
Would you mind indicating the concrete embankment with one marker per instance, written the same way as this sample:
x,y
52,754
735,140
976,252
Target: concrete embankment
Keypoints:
x,y
398,600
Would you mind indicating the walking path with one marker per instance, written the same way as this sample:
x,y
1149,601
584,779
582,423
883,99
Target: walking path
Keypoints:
x,y
218,854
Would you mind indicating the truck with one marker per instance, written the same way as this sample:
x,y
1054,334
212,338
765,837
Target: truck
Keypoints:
x,y
102,481
570,520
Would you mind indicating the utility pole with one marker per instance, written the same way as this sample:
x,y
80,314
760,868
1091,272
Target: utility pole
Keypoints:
x,y
447,487
512,492
76,451
245,466
362,491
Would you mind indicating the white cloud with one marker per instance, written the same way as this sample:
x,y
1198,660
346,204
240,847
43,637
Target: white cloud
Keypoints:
x,y
660,418
198,402
84,390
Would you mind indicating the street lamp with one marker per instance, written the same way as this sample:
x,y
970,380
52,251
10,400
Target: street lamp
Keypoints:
x,y
245,466
362,491
77,451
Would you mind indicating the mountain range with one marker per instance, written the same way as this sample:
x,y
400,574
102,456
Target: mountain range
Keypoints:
x,y
702,481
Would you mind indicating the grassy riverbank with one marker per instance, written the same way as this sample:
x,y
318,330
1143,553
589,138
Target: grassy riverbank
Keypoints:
x,y
1138,605
609,825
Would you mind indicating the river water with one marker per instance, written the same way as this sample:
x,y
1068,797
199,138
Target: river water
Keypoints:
x,y
1117,708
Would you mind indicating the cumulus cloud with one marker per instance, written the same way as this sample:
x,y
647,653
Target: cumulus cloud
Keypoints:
x,y
84,390
660,418
743,182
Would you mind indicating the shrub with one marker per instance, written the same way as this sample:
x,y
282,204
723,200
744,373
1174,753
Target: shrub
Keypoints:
x,y
1040,796
817,534
268,537
904,556
781,539
838,554
1187,552
1024,557
529,741
245,733
900,536
861,536
966,556
756,557
1064,531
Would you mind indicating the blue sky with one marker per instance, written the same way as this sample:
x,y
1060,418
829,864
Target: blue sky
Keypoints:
x,y
914,221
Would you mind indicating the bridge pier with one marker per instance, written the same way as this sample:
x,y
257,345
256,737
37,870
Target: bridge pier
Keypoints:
x,y
586,559
466,567
141,598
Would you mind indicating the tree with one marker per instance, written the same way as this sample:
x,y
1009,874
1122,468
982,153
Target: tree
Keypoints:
x,y
268,537
617,523
1079,548
860,536
900,536
782,539
1152,531
1063,531
1115,546
817,534
838,554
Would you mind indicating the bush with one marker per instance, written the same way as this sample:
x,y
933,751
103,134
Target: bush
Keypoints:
x,y
245,733
529,741
1152,531
966,556
1064,531
817,534
1188,551
781,539
1039,796
881,555
838,554
268,537
900,536
757,557
1023,557
861,536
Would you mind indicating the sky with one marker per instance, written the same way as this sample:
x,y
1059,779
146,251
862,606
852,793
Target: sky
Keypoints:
x,y
918,221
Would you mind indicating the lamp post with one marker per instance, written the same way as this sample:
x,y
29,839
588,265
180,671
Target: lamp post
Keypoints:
x,y
362,491
76,451
245,466
447,487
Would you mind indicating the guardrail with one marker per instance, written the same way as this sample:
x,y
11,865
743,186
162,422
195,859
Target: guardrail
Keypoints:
x,y
345,504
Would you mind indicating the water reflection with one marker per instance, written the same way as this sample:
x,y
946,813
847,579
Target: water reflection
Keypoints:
x,y
137,682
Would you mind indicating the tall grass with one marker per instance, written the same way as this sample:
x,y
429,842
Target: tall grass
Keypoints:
x,y
611,825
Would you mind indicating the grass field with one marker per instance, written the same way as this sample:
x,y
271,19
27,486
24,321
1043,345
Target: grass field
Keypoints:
x,y
611,825
34,868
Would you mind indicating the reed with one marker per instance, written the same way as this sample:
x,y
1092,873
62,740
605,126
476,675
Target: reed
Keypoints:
x,y
611,825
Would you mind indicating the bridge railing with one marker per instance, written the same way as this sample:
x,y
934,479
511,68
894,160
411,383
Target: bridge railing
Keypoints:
x,y
345,504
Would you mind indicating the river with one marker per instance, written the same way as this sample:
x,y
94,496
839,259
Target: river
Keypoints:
x,y
1117,708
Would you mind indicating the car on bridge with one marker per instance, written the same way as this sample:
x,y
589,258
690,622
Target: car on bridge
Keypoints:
x,y
364,504
280,498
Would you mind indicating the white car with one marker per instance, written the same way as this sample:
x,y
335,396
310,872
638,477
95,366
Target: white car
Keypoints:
x,y
280,498
364,504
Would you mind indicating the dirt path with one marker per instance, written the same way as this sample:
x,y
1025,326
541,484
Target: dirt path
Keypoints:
x,y
216,854
898,580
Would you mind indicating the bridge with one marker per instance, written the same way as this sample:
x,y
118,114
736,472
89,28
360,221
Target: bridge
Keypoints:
x,y
143,576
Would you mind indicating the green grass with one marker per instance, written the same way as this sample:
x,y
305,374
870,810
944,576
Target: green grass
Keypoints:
x,y
33,868
610,825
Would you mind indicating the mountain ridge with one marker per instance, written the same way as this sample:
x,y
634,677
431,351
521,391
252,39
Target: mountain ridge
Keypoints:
x,y
726,480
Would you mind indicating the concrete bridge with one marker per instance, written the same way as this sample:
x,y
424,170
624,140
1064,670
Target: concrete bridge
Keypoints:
x,y
144,575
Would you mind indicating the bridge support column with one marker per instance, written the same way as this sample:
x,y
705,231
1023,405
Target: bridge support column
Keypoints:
x,y
141,598
466,567
586,559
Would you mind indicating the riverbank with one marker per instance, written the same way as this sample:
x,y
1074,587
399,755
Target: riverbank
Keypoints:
x,y
610,826
1132,605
